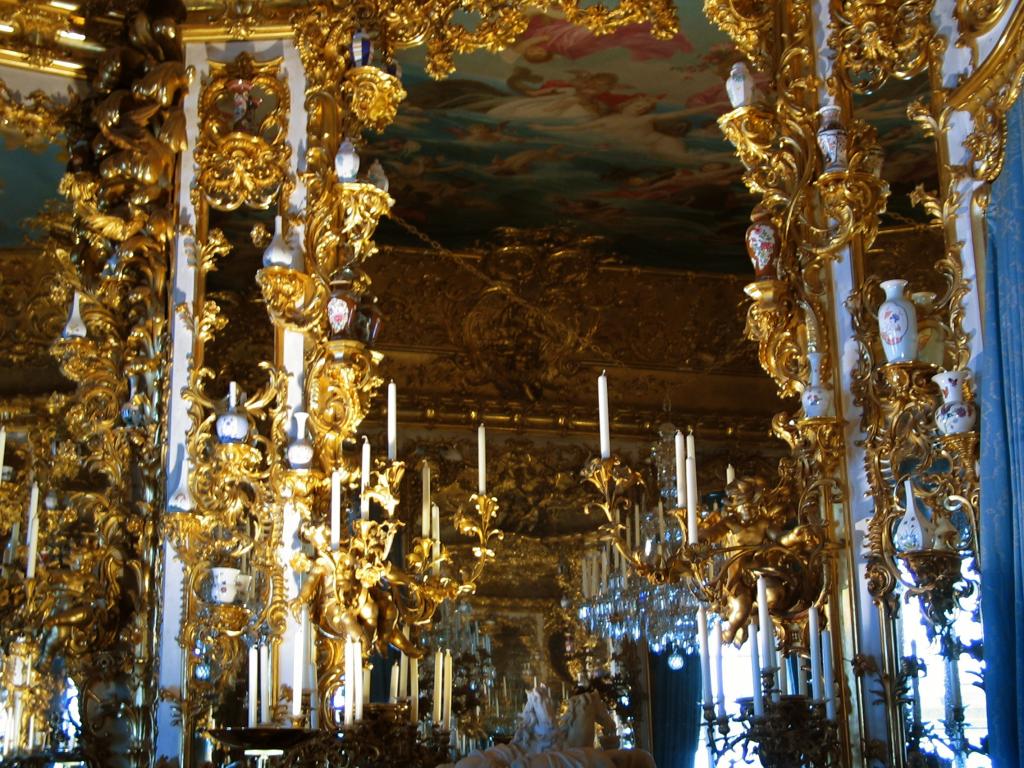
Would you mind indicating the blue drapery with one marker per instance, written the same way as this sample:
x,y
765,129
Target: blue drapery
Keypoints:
x,y
675,711
1002,456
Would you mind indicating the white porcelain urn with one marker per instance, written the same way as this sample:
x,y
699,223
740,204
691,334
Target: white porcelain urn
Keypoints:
x,y
897,323
956,415
816,399
223,584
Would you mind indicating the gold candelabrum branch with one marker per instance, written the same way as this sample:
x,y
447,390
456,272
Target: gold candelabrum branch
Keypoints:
x,y
758,532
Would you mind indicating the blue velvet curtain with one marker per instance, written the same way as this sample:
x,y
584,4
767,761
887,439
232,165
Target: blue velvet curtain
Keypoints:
x,y
1002,456
675,711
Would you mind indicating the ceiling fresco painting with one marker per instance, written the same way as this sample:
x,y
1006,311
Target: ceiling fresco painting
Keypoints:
x,y
616,135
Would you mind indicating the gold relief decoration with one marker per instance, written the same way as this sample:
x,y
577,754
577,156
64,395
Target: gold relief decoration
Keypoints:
x,y
749,23
91,600
878,39
242,152
31,319
38,118
373,96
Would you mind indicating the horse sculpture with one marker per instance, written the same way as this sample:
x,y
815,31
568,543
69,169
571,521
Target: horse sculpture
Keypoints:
x,y
540,743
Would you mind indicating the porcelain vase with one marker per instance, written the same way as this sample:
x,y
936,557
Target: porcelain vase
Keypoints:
x,y
280,252
739,87
816,399
232,426
914,531
223,584
300,450
897,323
763,248
75,328
956,415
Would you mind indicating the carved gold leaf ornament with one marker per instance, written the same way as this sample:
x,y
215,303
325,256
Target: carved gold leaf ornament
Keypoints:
x,y
242,152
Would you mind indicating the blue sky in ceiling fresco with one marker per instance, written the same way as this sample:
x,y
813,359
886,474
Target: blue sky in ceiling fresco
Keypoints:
x,y
614,135
28,178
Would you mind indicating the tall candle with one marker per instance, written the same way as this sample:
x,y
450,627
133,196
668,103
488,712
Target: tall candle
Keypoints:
x,y
414,690
481,459
3,451
425,516
264,684
314,684
33,530
254,671
602,410
730,474
814,646
783,674
438,686
298,665
755,672
232,395
403,674
705,657
691,495
801,677
435,527
719,676
680,471
829,681
448,675
351,670
364,689
392,421
364,481
765,618
335,508
393,690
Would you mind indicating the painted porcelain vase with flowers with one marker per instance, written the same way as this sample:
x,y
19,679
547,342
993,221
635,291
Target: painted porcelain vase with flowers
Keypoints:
x,y
897,323
956,415
816,399
832,139
762,246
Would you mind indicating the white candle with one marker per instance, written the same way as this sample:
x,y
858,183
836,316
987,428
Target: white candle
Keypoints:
x,y
783,674
364,689
425,517
393,691
801,677
314,683
447,714
364,481
298,665
392,421
691,496
264,684
254,671
33,531
730,474
719,675
3,451
335,509
438,687
680,471
232,395
602,409
403,673
481,458
435,527
350,684
830,694
414,690
814,647
767,634
705,657
755,672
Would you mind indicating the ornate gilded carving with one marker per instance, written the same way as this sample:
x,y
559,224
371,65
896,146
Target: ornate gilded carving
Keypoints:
x,y
31,320
242,152
878,39
37,118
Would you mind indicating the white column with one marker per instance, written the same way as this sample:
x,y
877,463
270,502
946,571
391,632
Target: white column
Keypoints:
x,y
168,733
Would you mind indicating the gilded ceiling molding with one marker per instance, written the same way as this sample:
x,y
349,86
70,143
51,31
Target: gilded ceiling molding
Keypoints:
x,y
38,117
987,95
494,25
54,37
